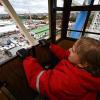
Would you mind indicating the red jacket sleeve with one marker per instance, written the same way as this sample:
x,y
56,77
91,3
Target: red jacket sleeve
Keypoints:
x,y
32,69
46,81
50,82
59,52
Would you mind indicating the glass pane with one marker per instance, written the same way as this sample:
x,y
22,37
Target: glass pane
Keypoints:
x,y
58,35
59,20
72,19
80,2
93,36
94,22
34,16
76,22
60,3
58,24
77,2
96,2
74,37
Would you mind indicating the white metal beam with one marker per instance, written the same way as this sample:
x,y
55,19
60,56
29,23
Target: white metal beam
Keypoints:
x,y
19,23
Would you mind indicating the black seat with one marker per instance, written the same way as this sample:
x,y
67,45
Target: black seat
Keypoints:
x,y
98,96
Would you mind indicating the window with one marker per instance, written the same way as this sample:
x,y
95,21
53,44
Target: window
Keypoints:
x,y
60,3
96,2
94,22
80,2
34,16
72,20
58,24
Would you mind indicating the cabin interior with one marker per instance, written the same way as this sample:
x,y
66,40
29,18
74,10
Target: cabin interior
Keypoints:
x,y
13,83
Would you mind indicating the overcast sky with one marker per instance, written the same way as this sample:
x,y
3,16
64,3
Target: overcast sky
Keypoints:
x,y
34,6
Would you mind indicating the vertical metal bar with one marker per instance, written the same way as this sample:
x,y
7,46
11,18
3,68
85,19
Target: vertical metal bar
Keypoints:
x,y
65,19
52,18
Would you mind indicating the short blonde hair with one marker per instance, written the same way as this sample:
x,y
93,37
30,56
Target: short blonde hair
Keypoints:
x,y
88,50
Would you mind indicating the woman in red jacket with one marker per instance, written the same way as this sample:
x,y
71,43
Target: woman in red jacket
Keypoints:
x,y
75,77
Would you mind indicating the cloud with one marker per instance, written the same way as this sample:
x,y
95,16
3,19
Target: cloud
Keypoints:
x,y
26,6
34,6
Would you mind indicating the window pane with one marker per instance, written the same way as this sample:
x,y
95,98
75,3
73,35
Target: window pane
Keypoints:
x,y
34,16
93,36
74,2
82,2
60,3
96,2
58,24
78,2
75,23
94,22
72,19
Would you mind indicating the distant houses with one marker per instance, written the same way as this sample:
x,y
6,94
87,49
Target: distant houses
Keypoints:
x,y
26,16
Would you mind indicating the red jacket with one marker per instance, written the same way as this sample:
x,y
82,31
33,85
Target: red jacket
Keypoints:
x,y
64,82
